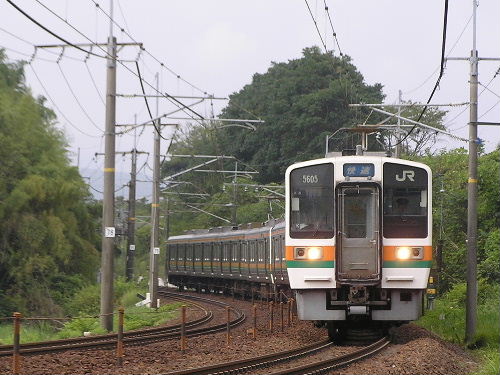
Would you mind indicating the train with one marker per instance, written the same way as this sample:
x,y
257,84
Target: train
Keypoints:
x,y
354,248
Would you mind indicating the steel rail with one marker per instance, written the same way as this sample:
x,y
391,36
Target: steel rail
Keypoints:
x,y
246,365
256,362
336,362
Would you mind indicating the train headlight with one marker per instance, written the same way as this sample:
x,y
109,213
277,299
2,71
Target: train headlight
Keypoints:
x,y
314,253
311,253
407,252
403,253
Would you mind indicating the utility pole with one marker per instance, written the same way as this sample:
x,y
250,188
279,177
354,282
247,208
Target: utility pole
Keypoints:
x,y
472,184
234,205
167,234
471,304
129,272
155,212
108,225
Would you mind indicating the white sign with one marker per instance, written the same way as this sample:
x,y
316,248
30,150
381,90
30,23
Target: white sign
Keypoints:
x,y
109,232
156,250
132,247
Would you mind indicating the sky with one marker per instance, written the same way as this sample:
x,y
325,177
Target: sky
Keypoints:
x,y
215,46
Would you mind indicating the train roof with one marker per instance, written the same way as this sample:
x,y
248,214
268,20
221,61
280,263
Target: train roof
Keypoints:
x,y
368,157
230,231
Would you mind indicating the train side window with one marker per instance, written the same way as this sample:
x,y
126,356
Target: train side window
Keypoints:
x,y
252,251
197,252
181,251
312,202
261,251
172,252
234,250
405,201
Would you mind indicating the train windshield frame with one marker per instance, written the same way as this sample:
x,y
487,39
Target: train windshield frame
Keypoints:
x,y
312,199
406,201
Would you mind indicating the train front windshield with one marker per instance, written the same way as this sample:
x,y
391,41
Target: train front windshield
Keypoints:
x,y
405,201
311,202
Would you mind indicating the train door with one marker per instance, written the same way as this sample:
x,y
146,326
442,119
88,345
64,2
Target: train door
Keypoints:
x,y
358,240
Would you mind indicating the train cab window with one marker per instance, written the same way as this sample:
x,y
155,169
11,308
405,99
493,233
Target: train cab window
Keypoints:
x,y
311,202
405,201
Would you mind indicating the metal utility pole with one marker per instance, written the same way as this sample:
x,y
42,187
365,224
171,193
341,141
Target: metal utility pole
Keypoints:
x,y
108,226
155,212
471,304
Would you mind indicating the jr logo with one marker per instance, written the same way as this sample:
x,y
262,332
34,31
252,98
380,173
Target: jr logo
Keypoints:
x,y
406,174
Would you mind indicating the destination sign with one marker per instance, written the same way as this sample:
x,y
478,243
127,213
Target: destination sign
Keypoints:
x,y
359,170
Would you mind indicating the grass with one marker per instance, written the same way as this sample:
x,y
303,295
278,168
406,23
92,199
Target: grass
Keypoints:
x,y
447,320
86,303
135,318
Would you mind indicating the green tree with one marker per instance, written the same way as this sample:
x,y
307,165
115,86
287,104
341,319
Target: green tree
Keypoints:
x,y
47,232
301,101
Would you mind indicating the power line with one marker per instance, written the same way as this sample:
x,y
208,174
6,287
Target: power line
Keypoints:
x,y
448,54
32,45
76,98
333,30
49,31
441,72
56,106
94,83
146,51
316,25
166,95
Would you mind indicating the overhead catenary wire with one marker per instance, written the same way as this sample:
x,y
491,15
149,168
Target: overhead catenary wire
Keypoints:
x,y
32,55
50,31
146,51
94,83
441,72
333,30
316,26
448,54
77,100
177,103
57,107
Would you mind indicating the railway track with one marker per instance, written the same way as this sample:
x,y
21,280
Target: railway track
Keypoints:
x,y
136,337
243,366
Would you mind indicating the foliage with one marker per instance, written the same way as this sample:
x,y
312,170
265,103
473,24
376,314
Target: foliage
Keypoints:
x,y
46,229
447,319
450,213
301,101
86,301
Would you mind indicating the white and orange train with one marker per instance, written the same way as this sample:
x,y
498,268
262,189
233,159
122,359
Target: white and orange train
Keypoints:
x,y
355,246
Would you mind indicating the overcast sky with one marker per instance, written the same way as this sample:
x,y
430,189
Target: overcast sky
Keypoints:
x,y
217,45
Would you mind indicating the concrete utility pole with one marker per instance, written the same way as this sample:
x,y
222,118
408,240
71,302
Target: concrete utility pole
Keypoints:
x,y
155,212
108,213
129,271
471,305
472,185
